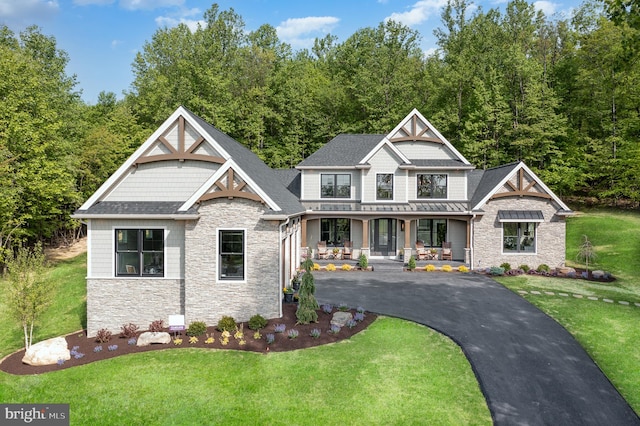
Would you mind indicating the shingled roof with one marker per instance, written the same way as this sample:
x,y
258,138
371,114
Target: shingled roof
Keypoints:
x,y
345,150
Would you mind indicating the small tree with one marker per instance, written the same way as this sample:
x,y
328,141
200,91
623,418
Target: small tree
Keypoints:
x,y
586,252
30,292
307,303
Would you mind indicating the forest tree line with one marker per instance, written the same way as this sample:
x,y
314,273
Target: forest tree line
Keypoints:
x,y
563,95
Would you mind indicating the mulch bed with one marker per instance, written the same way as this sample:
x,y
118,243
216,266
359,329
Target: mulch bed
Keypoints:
x,y
13,363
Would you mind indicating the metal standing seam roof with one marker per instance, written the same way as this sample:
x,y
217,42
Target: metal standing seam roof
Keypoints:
x,y
520,216
432,207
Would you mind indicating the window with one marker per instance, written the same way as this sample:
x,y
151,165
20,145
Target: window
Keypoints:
x,y
335,186
231,255
432,186
139,252
335,231
384,186
519,237
432,232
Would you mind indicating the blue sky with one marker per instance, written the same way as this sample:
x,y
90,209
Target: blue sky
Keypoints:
x,y
103,36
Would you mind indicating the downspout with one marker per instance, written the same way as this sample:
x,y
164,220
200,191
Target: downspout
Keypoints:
x,y
471,245
280,268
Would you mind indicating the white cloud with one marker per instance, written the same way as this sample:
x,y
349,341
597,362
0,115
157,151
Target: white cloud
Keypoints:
x,y
166,21
419,12
15,13
149,4
547,7
115,43
301,32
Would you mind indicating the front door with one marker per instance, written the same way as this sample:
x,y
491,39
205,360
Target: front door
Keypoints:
x,y
383,237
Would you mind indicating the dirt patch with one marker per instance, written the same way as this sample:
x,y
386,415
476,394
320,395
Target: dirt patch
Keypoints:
x,y
282,342
56,254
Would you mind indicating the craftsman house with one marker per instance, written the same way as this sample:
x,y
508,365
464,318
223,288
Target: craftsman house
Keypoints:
x,y
193,223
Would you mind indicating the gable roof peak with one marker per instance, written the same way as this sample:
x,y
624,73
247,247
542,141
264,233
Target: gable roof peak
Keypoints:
x,y
415,127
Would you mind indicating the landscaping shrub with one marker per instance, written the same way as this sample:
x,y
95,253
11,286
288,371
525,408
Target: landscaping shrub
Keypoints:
x,y
411,265
257,322
543,268
363,262
307,303
227,323
506,266
129,330
331,267
346,267
196,328
430,268
496,270
463,269
446,268
156,326
525,268
103,335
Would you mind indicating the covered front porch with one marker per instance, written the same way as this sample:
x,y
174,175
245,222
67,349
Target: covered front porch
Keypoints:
x,y
387,236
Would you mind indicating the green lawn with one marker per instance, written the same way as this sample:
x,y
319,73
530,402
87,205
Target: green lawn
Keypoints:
x,y
395,372
608,331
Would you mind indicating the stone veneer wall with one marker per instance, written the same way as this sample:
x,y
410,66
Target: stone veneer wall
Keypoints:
x,y
206,298
112,302
550,235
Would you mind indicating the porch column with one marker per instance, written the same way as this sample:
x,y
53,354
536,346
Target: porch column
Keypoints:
x,y
365,238
407,238
467,249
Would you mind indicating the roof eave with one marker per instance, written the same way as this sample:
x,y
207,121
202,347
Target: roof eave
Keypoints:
x,y
136,216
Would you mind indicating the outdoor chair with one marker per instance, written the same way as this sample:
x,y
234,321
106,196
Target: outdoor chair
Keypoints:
x,y
346,252
322,250
446,251
421,253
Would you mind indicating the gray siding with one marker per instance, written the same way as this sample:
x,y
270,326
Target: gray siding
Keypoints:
x,y
311,183
162,181
456,183
102,236
425,151
384,161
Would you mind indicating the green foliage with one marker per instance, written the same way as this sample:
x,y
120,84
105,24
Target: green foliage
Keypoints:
x,y
197,328
363,261
496,270
524,267
543,267
307,303
227,323
30,292
411,264
506,266
257,322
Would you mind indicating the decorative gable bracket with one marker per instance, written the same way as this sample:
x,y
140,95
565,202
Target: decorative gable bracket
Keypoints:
x,y
521,188
228,186
182,152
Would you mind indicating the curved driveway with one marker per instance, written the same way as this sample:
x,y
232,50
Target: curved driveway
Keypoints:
x,y
530,369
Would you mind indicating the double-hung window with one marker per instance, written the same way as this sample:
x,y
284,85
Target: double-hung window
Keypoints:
x,y
432,186
519,237
231,254
139,252
384,186
335,185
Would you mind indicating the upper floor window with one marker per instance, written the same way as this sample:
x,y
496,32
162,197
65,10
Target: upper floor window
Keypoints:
x,y
231,254
335,186
384,186
519,237
432,186
139,252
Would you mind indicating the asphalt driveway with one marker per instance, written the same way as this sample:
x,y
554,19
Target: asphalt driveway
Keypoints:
x,y
530,369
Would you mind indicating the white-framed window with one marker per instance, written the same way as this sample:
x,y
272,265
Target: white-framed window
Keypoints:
x,y
431,185
231,254
518,237
139,252
384,186
335,185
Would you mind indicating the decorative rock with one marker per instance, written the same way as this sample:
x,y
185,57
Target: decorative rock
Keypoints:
x,y
597,275
149,337
340,318
47,352
564,271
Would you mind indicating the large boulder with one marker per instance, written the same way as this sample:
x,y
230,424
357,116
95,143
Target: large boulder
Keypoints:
x,y
149,337
340,318
47,352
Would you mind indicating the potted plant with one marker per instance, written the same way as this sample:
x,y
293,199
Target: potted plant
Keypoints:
x,y
295,282
288,294
336,250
